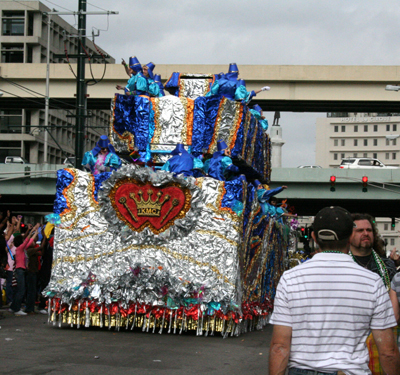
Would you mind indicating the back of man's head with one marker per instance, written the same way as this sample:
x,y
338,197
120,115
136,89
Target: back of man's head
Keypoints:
x,y
333,227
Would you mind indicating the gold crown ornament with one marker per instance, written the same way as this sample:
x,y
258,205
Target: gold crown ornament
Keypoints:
x,y
149,207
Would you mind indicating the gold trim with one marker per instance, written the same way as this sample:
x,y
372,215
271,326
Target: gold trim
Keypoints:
x,y
232,216
217,125
174,254
184,103
70,211
157,128
217,234
81,237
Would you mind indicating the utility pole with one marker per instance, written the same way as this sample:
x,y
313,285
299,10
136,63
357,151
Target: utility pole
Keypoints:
x,y
81,99
80,86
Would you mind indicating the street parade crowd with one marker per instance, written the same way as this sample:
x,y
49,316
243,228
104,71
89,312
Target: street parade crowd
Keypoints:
x,y
314,333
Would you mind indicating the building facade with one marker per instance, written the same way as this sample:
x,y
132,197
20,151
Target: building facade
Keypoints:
x,y
372,135
357,135
24,28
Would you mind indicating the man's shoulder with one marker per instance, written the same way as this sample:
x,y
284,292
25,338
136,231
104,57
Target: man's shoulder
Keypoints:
x,y
316,263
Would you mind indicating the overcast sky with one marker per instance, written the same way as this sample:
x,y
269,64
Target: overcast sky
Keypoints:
x,y
286,32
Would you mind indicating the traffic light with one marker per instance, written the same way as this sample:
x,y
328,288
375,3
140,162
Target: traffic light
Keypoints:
x,y
22,225
301,234
333,181
365,184
393,222
306,234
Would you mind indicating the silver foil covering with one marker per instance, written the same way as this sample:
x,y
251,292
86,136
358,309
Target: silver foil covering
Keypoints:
x,y
96,256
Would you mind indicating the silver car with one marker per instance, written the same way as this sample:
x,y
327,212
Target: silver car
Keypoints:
x,y
363,163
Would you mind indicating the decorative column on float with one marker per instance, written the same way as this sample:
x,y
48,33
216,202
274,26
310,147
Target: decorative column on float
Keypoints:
x,y
276,143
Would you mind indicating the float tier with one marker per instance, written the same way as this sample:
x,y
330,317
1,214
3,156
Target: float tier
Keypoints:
x,y
143,248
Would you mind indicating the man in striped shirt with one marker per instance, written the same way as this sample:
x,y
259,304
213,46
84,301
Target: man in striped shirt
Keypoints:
x,y
326,307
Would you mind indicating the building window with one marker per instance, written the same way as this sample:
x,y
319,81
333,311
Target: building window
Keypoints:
x,y
387,156
375,128
356,142
30,23
365,128
375,155
335,142
394,156
355,128
388,128
365,142
343,128
355,155
392,228
336,128
342,142
394,127
10,121
375,142
13,23
387,142
392,242
12,53
334,156
394,142
365,155
342,156
386,226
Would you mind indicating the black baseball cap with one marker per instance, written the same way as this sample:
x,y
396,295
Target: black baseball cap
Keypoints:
x,y
333,223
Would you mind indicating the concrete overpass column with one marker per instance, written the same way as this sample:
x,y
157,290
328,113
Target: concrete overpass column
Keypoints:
x,y
276,142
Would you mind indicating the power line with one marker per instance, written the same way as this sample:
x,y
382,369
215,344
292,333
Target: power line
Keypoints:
x,y
69,10
36,9
24,88
96,6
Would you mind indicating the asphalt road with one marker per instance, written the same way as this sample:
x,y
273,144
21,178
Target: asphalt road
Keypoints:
x,y
28,345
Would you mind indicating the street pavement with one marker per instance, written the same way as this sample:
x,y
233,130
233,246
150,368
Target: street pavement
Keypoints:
x,y
29,345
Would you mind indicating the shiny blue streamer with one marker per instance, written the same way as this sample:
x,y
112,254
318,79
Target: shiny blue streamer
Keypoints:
x,y
124,114
142,122
64,179
237,148
151,131
199,124
234,192
98,180
211,112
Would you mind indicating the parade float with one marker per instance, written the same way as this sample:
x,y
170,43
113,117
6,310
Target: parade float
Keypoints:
x,y
142,247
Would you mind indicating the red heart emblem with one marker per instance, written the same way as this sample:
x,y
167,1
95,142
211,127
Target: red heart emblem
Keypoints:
x,y
142,205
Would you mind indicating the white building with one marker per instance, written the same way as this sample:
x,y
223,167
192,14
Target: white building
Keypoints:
x,y
357,135
361,135
23,41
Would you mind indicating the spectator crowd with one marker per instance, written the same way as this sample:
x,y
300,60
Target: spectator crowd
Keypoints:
x,y
26,254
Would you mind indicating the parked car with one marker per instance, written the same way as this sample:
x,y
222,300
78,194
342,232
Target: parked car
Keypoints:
x,y
309,166
15,160
363,163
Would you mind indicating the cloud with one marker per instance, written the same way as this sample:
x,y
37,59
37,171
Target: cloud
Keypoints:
x,y
286,32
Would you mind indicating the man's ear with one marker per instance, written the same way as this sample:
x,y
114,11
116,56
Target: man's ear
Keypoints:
x,y
313,236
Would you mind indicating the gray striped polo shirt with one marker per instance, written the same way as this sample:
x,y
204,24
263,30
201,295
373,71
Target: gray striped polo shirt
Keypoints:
x,y
331,303
396,285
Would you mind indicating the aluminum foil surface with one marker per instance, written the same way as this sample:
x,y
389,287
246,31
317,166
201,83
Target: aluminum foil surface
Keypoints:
x,y
97,256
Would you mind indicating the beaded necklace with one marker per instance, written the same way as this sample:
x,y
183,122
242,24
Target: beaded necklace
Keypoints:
x,y
382,270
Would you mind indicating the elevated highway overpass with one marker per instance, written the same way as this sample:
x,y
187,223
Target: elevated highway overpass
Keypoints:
x,y
308,189
295,88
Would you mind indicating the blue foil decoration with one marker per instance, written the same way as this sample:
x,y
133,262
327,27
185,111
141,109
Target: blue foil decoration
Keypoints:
x,y
98,180
64,179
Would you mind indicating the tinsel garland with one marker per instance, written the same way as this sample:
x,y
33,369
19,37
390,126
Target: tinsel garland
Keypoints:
x,y
202,318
